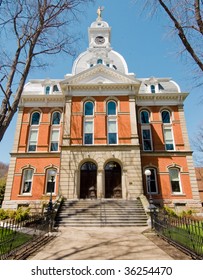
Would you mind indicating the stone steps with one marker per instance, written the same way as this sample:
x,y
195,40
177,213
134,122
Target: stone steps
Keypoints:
x,y
101,213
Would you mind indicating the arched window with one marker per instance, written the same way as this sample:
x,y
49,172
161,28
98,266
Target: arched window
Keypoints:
x,y
47,90
144,117
89,108
174,174
112,122
152,183
88,123
167,130
146,130
27,181
50,180
56,117
111,108
33,134
99,61
55,88
35,118
55,132
166,117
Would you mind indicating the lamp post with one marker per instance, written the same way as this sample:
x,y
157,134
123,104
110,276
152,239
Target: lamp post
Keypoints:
x,y
152,207
50,205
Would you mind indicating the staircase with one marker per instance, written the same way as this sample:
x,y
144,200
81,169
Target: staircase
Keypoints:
x,y
98,213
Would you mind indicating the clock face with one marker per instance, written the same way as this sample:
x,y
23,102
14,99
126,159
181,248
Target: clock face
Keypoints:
x,y
99,40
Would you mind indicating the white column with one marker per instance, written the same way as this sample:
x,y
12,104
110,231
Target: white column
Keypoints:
x,y
67,121
100,192
124,184
133,121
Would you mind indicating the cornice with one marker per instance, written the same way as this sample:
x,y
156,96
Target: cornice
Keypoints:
x,y
158,98
44,99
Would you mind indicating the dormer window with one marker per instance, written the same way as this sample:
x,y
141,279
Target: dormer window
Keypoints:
x,y
100,61
152,88
114,67
47,90
55,88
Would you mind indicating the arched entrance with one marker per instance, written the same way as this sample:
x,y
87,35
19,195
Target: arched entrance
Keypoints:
x,y
113,187
88,180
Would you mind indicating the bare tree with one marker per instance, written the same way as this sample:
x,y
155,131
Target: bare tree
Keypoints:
x,y
186,17
30,29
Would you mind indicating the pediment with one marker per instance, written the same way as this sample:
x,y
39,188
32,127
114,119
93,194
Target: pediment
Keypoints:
x,y
100,74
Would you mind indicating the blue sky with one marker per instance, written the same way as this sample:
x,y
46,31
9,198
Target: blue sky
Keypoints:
x,y
146,48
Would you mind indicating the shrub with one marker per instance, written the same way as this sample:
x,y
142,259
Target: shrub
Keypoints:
x,y
21,214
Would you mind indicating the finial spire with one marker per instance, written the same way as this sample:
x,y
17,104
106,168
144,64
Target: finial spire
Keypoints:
x,y
99,12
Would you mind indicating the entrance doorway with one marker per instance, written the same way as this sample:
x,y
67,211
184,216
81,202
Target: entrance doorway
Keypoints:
x,y
113,187
88,180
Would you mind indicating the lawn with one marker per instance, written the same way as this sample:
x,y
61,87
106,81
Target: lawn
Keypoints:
x,y
10,240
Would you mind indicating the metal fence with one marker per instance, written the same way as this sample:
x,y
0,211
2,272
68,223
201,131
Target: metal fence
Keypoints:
x,y
183,232
19,239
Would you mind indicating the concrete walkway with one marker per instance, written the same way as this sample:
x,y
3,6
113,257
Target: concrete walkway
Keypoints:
x,y
105,243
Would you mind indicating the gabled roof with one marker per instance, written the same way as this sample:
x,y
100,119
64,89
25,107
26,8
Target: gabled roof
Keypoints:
x,y
100,74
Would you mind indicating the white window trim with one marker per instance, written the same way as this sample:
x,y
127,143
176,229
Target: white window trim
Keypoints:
x,y
23,181
32,128
112,118
55,179
88,119
180,184
167,126
54,129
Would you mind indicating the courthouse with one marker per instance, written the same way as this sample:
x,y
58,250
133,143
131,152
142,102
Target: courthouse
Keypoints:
x,y
94,133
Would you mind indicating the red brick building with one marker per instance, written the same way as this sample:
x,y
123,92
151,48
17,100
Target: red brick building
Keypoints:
x,y
100,128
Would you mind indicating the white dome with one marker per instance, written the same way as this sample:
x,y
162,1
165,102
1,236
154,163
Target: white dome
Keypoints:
x,y
89,58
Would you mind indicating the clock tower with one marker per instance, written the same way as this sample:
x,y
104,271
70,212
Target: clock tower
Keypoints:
x,y
99,33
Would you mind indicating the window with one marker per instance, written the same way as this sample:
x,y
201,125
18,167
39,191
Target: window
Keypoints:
x,y
56,117
89,108
55,88
146,130
55,132
112,122
111,108
165,115
99,61
152,87
27,181
47,90
174,174
167,130
88,137
33,135
33,140
88,132
146,139
54,140
35,118
152,187
50,181
144,117
112,132
168,137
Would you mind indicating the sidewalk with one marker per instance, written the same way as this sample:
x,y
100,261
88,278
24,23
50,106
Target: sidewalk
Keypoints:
x,y
105,243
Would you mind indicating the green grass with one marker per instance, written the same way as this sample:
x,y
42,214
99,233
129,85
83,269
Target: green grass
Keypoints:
x,y
187,237
10,240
